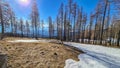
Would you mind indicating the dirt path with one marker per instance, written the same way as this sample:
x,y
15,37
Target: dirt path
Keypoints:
x,y
37,55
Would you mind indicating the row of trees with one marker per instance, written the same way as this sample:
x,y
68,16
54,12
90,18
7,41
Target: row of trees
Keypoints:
x,y
10,25
72,23
101,27
6,16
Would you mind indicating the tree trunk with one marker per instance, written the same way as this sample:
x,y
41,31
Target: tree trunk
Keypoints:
x,y
2,23
118,40
103,21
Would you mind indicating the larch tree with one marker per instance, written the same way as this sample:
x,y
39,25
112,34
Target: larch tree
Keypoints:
x,y
57,21
74,12
27,28
84,21
61,17
97,16
80,17
21,27
66,25
2,22
60,21
70,3
90,27
50,27
16,27
42,26
103,20
35,18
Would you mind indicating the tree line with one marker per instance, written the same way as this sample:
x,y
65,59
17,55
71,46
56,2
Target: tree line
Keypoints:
x,y
72,23
12,26
102,26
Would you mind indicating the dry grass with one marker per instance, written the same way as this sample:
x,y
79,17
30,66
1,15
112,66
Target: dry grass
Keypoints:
x,y
36,55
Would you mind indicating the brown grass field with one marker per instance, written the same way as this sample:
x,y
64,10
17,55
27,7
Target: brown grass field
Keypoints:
x,y
36,55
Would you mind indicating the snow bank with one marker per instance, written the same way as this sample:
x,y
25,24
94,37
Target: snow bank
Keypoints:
x,y
85,62
95,57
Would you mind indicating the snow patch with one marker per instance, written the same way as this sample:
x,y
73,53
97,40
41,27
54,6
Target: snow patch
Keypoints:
x,y
85,62
28,41
95,57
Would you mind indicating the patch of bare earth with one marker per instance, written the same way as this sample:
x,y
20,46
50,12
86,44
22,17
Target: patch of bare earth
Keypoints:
x,y
37,55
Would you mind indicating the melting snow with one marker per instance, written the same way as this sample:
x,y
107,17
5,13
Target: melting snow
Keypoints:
x,y
28,41
95,57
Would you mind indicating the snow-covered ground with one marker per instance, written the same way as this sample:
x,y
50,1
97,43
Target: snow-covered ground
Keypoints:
x,y
95,56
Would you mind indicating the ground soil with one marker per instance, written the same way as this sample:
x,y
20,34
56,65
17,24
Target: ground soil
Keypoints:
x,y
36,55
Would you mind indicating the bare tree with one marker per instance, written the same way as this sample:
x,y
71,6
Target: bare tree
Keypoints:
x,y
70,3
21,26
65,25
60,22
35,18
42,26
2,22
90,27
15,27
50,27
103,21
74,17
27,28
83,27
80,16
57,21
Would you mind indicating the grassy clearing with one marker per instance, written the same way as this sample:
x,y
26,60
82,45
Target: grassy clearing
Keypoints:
x,y
36,55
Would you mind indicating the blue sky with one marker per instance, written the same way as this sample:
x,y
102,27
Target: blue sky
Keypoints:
x,y
48,7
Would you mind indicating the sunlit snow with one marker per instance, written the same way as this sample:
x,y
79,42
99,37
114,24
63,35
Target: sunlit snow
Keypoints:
x,y
95,56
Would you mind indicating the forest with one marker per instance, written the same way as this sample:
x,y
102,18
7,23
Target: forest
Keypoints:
x,y
72,23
